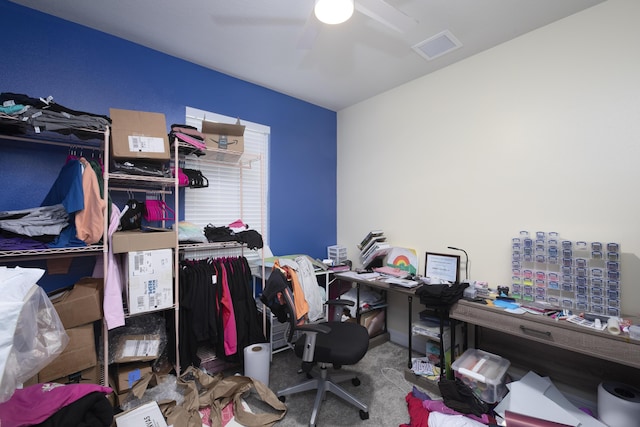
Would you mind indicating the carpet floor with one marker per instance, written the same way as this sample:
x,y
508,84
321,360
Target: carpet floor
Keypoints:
x,y
382,387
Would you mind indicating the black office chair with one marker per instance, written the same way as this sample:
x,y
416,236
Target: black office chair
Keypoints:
x,y
326,343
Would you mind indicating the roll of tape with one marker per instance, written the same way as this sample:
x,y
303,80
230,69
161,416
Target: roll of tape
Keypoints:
x,y
618,404
257,358
613,326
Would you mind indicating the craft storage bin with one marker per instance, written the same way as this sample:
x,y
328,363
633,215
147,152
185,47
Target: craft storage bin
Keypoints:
x,y
483,372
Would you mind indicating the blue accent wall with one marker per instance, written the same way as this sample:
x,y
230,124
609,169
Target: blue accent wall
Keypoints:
x,y
91,71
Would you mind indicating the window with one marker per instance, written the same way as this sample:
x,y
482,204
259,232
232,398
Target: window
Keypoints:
x,y
236,190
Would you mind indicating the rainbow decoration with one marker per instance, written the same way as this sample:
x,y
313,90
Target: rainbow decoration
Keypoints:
x,y
403,258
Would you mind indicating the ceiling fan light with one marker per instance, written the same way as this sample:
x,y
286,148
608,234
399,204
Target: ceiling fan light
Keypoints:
x,y
333,11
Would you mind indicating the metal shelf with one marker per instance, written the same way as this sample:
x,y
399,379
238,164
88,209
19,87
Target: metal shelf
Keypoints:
x,y
205,246
53,252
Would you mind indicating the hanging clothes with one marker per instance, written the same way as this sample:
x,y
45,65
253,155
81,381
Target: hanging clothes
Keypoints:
x,y
217,309
248,328
67,190
198,324
302,306
280,278
113,285
224,305
90,220
309,283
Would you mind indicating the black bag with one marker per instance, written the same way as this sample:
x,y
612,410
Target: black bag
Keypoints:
x,y
139,167
441,295
131,216
219,234
459,396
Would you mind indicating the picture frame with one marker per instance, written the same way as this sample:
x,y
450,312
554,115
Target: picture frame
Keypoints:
x,y
442,266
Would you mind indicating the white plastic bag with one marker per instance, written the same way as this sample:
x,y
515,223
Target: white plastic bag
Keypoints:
x,y
31,333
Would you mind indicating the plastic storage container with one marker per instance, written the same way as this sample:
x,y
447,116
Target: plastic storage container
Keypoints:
x,y
483,372
337,253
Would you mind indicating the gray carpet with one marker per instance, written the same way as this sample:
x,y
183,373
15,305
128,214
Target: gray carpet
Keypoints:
x,y
383,388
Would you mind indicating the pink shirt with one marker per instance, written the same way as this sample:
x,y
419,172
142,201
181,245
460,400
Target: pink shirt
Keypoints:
x,y
34,404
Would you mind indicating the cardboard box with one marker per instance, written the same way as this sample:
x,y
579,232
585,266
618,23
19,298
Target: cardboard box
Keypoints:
x,y
137,348
80,305
79,354
137,240
148,414
126,374
139,135
374,321
150,286
86,376
226,139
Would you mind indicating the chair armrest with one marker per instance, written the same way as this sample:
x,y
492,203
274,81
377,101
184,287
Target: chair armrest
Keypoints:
x,y
342,302
314,327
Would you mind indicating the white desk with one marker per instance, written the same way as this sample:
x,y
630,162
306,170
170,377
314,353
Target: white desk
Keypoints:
x,y
386,287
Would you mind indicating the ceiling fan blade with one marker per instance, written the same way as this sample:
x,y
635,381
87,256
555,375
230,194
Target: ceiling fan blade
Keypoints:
x,y
386,14
310,32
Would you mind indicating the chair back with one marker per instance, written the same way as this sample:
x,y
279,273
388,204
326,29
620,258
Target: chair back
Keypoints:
x,y
287,296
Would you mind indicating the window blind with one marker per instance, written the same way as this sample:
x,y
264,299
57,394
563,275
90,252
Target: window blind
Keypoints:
x,y
236,190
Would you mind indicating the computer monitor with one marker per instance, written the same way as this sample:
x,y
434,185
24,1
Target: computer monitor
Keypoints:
x,y
442,266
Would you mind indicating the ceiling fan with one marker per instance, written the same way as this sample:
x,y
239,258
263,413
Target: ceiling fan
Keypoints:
x,y
338,11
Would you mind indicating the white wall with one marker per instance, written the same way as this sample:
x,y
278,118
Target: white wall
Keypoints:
x,y
541,133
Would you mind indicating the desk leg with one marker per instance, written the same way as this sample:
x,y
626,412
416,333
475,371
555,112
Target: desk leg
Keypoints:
x,y
410,330
358,303
443,359
453,325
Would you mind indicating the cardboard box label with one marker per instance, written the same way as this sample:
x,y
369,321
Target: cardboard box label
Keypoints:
x,y
140,348
142,264
133,348
150,280
146,144
145,415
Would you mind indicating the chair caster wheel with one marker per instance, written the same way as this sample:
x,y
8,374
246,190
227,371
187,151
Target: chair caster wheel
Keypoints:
x,y
364,415
356,382
282,398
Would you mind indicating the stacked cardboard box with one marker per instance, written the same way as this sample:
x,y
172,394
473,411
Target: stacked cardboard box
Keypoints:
x,y
77,308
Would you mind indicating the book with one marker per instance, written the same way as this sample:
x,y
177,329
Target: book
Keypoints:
x,y
369,254
144,415
373,241
372,234
379,252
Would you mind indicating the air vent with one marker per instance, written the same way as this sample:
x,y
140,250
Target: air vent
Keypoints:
x,y
437,45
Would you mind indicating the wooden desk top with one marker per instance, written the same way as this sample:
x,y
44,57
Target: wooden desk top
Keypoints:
x,y
601,344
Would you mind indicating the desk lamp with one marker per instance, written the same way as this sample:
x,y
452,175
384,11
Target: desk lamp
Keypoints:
x,y
466,260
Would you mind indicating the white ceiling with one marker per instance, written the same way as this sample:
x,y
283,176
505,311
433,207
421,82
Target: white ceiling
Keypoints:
x,y
257,40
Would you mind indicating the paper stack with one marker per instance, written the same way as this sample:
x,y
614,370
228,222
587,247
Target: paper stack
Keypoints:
x,y
373,246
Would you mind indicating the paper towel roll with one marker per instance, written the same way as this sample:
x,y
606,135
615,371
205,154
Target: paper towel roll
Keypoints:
x,y
257,358
618,404
613,326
